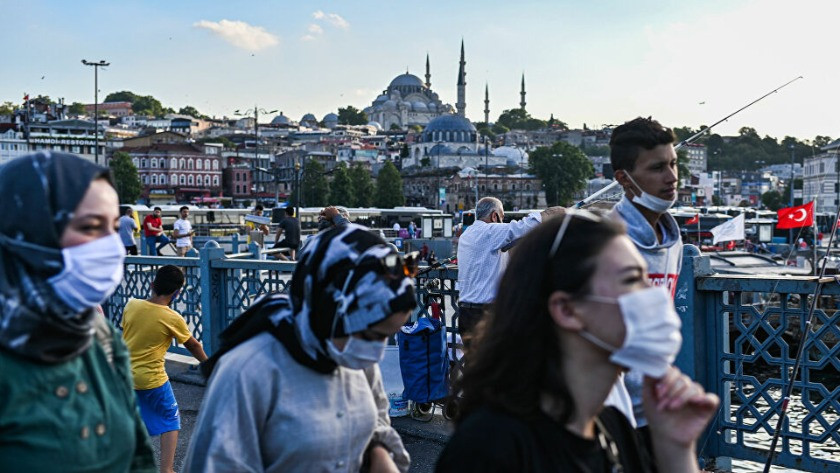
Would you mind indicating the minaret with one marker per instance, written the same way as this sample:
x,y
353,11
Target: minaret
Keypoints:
x,y
486,104
461,105
428,73
522,93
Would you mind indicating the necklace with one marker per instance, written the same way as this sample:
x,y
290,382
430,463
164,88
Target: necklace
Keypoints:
x,y
608,446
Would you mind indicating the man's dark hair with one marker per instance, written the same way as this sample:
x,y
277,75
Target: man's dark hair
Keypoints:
x,y
290,211
168,279
258,207
128,211
183,208
157,208
628,139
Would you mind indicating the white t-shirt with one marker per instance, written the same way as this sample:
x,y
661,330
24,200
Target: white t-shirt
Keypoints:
x,y
183,227
396,227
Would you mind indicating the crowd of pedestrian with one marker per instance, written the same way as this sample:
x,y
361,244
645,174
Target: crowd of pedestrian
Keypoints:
x,y
296,386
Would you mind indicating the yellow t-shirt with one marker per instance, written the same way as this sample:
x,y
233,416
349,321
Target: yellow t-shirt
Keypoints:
x,y
148,330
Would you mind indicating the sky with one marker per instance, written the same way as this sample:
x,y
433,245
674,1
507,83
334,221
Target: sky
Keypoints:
x,y
595,62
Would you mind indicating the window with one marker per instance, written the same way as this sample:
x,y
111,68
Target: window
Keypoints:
x,y
163,163
154,179
215,165
153,162
143,163
181,164
207,164
162,179
237,188
145,179
822,168
216,180
198,164
207,181
173,180
173,163
182,179
190,179
189,163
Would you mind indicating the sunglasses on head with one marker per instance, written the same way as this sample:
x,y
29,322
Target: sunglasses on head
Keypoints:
x,y
402,266
571,213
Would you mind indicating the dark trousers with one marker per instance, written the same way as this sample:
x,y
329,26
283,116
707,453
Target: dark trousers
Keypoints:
x,y
468,318
131,250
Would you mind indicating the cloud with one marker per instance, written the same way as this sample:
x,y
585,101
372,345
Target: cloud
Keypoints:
x,y
332,18
241,34
315,29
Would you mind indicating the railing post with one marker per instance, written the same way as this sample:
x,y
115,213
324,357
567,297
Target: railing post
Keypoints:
x,y
212,296
688,302
234,243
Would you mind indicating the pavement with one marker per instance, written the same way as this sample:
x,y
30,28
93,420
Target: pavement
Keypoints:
x,y
424,440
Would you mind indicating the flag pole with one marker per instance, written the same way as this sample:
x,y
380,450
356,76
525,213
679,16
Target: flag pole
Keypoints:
x,y
699,239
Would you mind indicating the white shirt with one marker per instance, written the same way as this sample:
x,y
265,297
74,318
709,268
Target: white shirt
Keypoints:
x,y
183,227
265,412
480,259
396,227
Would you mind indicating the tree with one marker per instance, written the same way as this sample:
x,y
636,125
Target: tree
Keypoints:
x,y
191,111
341,190
773,200
682,166
518,119
499,129
76,108
140,104
351,115
126,179
122,96
362,185
314,188
389,187
820,141
7,108
563,169
415,128
395,127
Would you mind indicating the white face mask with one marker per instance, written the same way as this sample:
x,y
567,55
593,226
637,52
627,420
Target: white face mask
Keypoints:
x,y
358,354
652,326
649,201
92,271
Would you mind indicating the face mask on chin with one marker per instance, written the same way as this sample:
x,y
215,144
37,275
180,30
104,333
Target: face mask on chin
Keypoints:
x,y
649,201
357,354
652,339
92,271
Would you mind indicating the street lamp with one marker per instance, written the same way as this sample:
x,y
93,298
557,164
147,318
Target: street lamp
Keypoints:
x,y
437,188
96,66
275,174
792,149
297,190
257,112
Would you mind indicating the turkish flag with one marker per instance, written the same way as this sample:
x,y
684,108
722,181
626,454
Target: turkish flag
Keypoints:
x,y
26,97
795,217
693,220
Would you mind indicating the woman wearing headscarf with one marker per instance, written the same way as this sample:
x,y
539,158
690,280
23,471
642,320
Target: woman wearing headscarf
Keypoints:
x,y
66,400
296,386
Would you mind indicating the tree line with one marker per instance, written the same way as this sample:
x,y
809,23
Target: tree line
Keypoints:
x,y
350,186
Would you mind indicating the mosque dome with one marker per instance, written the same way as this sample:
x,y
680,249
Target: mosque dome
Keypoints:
x,y
406,79
511,153
280,120
419,106
440,149
382,98
432,107
308,118
390,105
330,117
450,129
375,125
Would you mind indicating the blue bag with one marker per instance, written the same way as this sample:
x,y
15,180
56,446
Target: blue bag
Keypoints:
x,y
423,361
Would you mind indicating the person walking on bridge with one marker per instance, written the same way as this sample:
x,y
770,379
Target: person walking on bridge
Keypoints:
x,y
481,259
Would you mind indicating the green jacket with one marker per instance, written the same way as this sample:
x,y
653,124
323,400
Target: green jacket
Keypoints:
x,y
76,416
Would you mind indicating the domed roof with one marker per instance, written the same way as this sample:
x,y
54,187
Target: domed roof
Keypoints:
x,y
406,80
390,105
419,106
440,149
375,125
280,120
450,123
511,153
330,117
309,118
381,98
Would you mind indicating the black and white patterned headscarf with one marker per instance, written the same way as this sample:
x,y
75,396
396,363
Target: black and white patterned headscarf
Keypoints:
x,y
338,288
38,195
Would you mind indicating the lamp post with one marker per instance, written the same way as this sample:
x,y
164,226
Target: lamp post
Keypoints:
x,y
275,174
437,172
96,66
792,149
297,190
257,111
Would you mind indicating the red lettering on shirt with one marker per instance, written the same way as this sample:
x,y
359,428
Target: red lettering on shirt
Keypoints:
x,y
669,281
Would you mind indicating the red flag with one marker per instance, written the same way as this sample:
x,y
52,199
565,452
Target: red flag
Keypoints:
x,y
795,217
693,220
26,97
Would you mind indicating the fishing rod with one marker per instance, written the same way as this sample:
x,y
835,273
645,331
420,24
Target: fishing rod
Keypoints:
x,y
801,350
690,139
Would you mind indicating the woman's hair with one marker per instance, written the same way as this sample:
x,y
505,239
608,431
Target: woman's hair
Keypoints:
x,y
516,354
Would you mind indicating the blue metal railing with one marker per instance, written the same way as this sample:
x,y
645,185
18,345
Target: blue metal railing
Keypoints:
x,y
739,339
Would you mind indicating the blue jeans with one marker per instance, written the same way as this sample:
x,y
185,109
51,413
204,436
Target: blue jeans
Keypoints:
x,y
161,240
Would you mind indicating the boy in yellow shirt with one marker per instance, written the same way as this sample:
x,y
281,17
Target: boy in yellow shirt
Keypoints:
x,y
148,329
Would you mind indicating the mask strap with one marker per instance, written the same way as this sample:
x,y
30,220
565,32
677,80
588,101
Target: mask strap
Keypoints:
x,y
596,341
634,183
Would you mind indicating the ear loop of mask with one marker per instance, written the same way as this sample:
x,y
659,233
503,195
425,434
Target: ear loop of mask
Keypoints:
x,y
592,338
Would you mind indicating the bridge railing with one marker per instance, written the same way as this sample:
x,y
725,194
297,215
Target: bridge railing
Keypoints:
x,y
740,337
